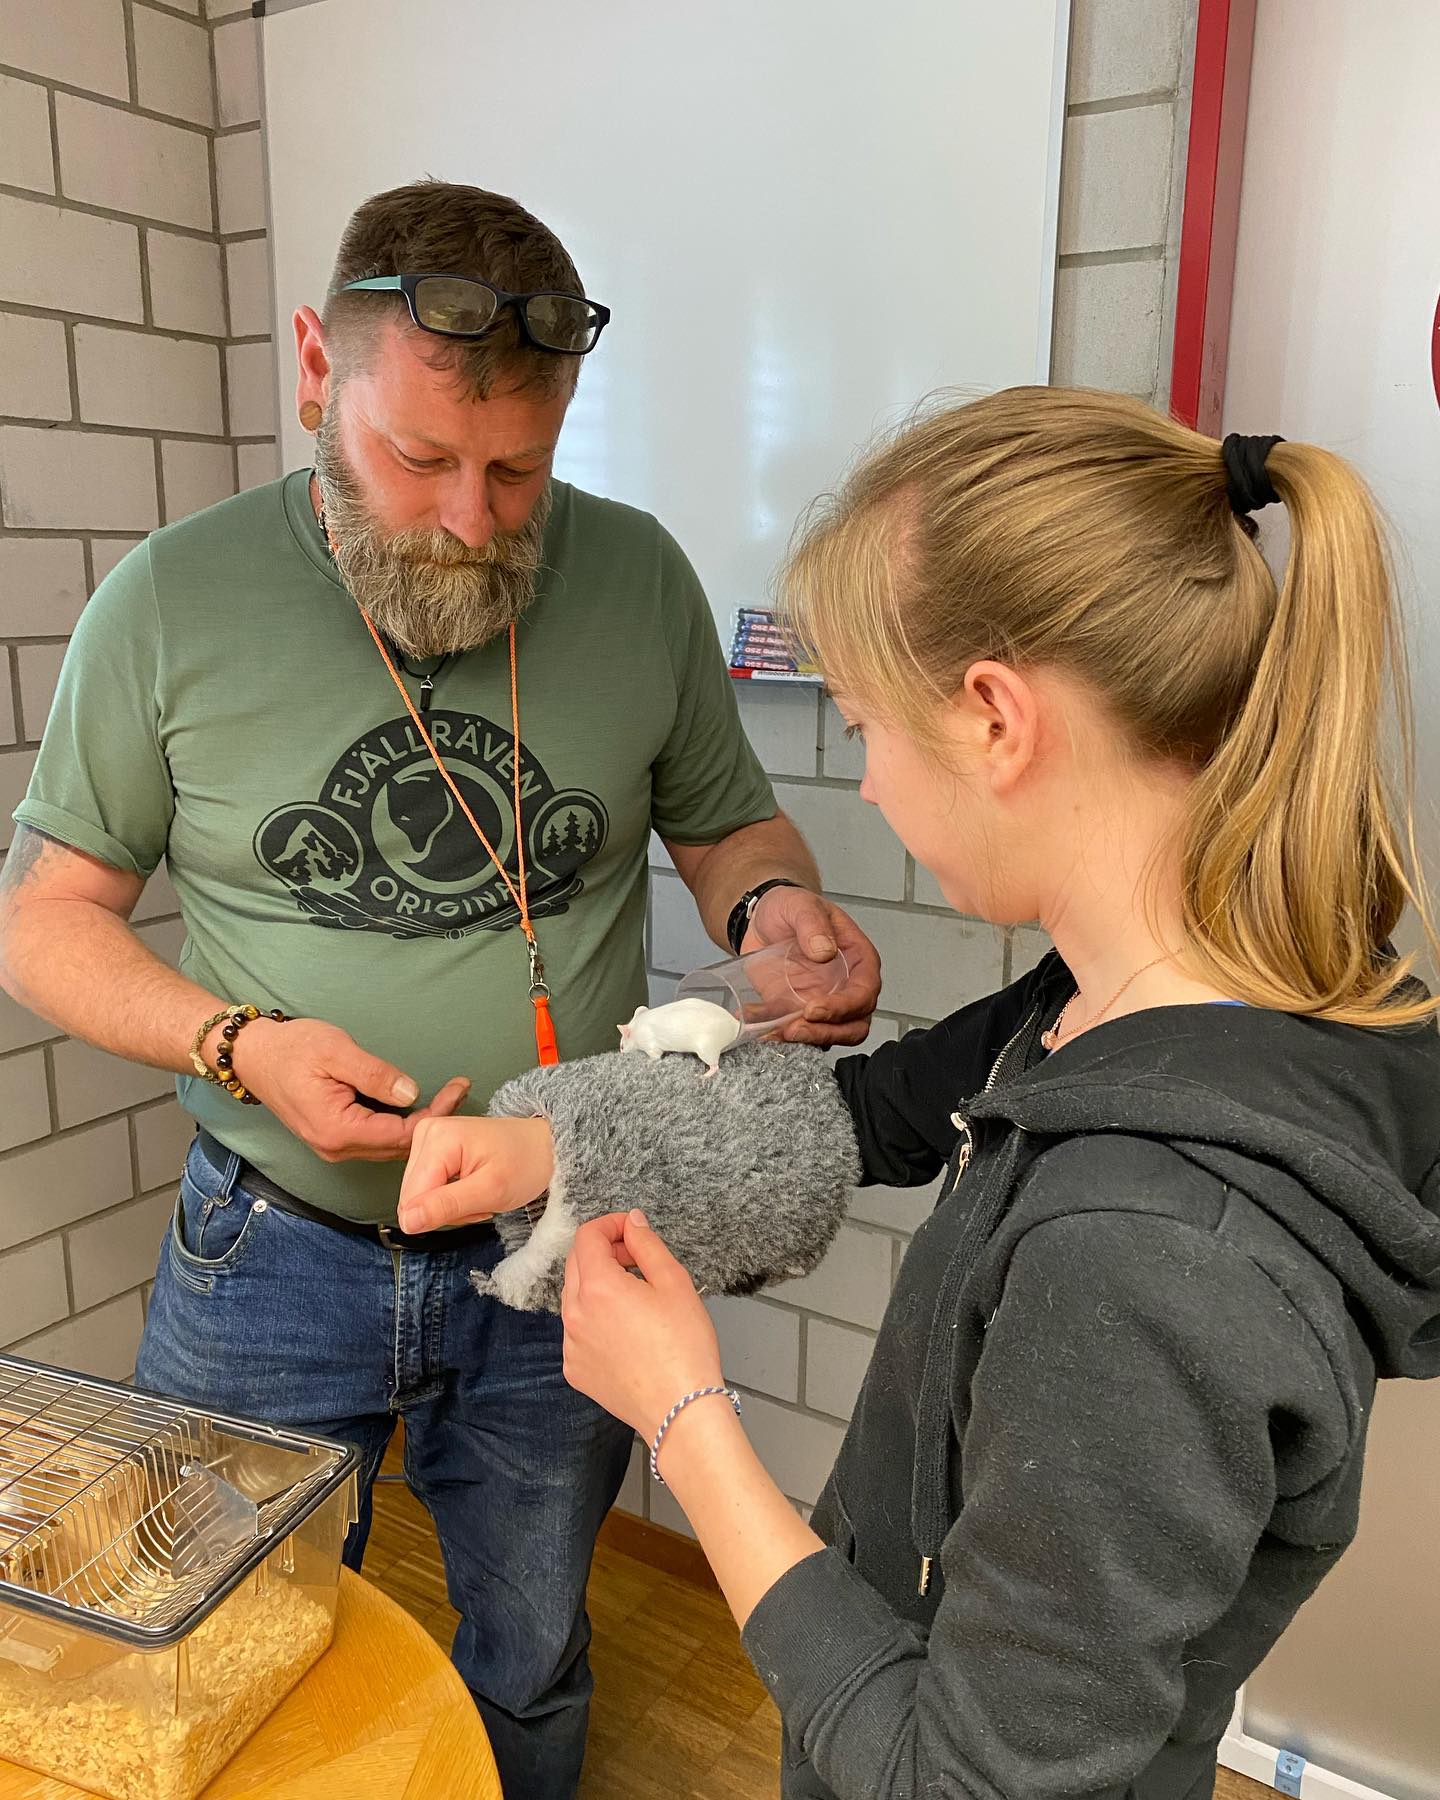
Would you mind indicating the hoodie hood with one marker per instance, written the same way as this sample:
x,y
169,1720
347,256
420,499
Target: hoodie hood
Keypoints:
x,y
1333,1129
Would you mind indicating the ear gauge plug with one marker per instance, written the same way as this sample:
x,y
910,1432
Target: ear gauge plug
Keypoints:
x,y
311,414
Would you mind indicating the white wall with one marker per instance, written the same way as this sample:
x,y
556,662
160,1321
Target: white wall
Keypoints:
x,y
1337,271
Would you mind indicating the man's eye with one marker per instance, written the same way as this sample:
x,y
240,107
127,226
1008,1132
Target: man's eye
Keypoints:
x,y
422,465
514,475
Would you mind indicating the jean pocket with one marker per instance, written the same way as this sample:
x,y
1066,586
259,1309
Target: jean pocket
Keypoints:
x,y
211,1236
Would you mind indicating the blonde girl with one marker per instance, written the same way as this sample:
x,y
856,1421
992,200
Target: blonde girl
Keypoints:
x,y
1112,1434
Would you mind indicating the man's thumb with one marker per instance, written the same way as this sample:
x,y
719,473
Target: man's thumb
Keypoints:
x,y
372,1076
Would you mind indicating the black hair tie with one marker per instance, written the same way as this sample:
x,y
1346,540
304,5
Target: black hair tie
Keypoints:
x,y
1247,483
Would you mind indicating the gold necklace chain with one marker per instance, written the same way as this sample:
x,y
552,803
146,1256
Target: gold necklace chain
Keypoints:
x,y
1057,1035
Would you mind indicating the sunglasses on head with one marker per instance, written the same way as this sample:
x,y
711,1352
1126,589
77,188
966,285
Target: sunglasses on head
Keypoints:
x,y
463,306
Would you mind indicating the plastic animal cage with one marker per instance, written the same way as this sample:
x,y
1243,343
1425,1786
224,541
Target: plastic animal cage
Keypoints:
x,y
167,1574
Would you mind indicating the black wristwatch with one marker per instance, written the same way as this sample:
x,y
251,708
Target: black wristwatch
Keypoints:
x,y
744,910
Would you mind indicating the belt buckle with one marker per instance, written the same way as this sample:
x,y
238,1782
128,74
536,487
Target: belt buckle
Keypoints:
x,y
385,1233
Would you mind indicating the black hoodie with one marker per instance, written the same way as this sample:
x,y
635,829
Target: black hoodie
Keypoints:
x,y
1112,1433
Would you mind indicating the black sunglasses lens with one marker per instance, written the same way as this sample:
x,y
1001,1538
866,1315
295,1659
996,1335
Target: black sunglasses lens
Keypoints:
x,y
445,303
561,322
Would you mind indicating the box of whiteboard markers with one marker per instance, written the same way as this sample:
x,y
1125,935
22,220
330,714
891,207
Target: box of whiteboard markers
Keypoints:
x,y
760,650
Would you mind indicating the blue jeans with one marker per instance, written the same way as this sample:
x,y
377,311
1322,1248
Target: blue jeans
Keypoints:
x,y
263,1314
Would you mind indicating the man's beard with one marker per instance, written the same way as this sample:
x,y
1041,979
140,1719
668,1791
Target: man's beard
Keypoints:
x,y
427,592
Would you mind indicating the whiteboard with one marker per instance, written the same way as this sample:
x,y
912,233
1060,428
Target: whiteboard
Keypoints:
x,y
804,216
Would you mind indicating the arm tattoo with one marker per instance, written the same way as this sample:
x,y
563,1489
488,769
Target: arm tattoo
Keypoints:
x,y
25,853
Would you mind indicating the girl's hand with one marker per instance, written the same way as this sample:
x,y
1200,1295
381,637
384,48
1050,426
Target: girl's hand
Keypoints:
x,y
636,1347
463,1171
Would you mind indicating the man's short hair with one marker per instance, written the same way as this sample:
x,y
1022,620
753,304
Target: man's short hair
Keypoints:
x,y
433,227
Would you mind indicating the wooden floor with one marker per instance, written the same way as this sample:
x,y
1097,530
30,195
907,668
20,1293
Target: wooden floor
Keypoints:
x,y
679,1714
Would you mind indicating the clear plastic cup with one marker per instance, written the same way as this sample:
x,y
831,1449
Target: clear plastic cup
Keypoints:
x,y
768,988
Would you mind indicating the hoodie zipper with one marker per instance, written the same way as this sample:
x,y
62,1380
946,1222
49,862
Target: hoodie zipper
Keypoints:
x,y
962,1163
962,1124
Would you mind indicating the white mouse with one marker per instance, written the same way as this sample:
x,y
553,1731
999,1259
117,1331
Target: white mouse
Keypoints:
x,y
698,1026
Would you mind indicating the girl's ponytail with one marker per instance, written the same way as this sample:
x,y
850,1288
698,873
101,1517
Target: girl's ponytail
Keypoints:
x,y
1294,874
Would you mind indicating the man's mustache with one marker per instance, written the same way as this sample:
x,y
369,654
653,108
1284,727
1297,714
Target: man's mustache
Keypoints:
x,y
449,552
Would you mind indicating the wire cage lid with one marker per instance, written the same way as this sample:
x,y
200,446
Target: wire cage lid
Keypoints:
x,y
134,1515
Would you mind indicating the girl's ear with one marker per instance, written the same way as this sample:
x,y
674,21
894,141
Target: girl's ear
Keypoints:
x,y
1003,718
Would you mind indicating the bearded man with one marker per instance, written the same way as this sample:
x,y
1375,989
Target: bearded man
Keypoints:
x,y
401,727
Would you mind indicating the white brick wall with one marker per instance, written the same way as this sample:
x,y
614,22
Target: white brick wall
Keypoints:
x,y
34,368
113,158
196,475
172,67
835,1363
1123,48
1126,113
137,378
42,586
857,851
81,42
102,1342
105,552
248,273
24,1103
237,71
1128,110
252,389
120,293
39,669
25,156
257,463
76,480
187,285
68,261
240,181
64,1179
1115,179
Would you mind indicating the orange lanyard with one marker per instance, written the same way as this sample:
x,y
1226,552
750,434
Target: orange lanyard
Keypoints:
x,y
547,1050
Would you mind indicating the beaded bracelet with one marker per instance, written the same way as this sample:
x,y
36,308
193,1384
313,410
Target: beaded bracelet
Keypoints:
x,y
223,1074
675,1412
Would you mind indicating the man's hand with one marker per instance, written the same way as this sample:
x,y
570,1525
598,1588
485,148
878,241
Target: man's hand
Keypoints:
x,y
316,1080
717,874
465,1170
821,929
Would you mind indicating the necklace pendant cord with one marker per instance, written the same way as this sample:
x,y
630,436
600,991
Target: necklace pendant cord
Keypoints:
x,y
1057,1034
547,1049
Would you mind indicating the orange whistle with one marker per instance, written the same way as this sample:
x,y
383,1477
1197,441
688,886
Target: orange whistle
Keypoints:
x,y
547,1049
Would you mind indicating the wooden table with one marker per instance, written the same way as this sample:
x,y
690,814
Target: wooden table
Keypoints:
x,y
381,1716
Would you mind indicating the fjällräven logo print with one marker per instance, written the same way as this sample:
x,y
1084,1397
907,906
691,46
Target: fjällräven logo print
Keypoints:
x,y
384,847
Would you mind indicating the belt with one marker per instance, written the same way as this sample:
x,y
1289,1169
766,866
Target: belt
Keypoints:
x,y
389,1237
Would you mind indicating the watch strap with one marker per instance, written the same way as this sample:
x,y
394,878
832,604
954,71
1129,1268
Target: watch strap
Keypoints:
x,y
744,909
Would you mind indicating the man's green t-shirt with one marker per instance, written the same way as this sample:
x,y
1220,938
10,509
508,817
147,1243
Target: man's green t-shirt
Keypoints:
x,y
223,706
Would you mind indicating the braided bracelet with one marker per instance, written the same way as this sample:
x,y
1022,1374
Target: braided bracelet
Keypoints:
x,y
223,1074
675,1412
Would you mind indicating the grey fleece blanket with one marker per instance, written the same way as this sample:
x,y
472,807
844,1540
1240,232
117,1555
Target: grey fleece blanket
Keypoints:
x,y
745,1176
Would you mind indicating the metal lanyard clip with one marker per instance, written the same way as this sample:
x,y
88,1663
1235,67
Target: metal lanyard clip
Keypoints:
x,y
538,985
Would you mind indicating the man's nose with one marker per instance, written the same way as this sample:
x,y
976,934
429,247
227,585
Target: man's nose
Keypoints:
x,y
466,513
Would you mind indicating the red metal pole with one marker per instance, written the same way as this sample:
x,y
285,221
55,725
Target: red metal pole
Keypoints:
x,y
1224,39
